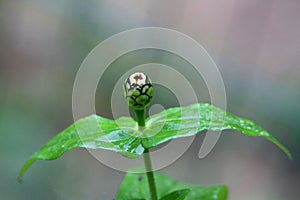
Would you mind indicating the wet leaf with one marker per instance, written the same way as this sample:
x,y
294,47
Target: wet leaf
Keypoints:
x,y
92,132
122,135
176,195
187,121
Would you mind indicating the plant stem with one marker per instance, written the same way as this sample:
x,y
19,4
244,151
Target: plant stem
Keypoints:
x,y
150,175
140,115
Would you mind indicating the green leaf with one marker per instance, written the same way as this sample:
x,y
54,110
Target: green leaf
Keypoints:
x,y
187,121
92,132
122,135
176,195
218,192
136,186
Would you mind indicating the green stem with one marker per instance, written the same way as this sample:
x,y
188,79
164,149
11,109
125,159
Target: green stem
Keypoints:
x,y
140,115
150,175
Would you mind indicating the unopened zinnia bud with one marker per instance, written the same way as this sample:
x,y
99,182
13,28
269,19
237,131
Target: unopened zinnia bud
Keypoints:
x,y
138,91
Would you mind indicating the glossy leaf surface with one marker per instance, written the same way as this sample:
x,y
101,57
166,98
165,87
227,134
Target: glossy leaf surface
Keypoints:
x,y
176,195
187,121
92,132
122,135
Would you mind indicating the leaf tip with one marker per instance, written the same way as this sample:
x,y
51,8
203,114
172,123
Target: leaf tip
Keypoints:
x,y
282,147
289,155
287,152
25,167
20,179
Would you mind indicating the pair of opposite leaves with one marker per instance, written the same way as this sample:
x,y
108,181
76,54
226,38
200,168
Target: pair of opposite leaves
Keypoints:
x,y
122,135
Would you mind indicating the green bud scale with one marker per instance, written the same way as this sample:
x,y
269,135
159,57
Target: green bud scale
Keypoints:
x,y
138,91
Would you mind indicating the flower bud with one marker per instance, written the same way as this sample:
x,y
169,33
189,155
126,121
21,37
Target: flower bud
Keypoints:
x,y
138,91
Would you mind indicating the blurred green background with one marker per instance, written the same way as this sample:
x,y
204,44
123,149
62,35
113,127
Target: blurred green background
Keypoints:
x,y
255,44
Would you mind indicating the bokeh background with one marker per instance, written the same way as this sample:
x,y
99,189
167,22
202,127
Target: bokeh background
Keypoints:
x,y
256,45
